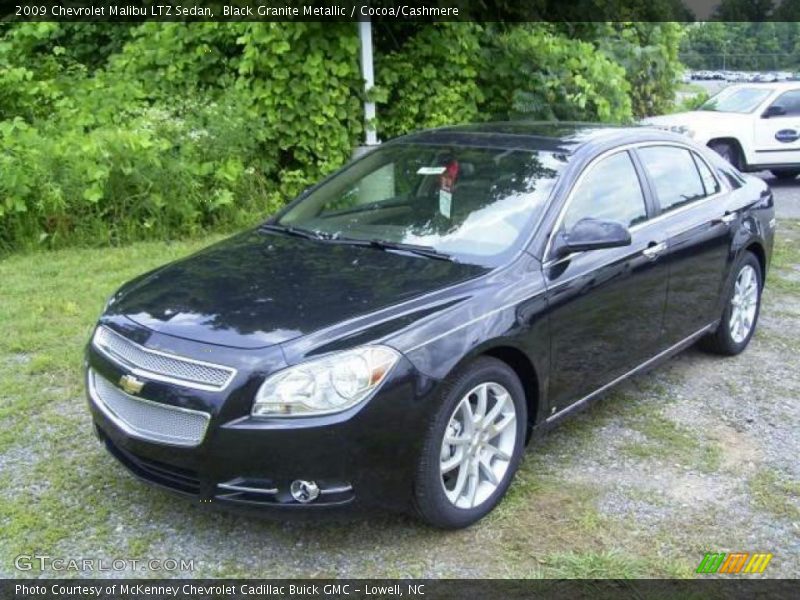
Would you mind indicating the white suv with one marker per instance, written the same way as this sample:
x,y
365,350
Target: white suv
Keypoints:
x,y
754,126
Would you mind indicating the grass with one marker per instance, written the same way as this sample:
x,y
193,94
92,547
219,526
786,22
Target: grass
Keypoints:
x,y
669,441
784,275
61,494
691,88
775,493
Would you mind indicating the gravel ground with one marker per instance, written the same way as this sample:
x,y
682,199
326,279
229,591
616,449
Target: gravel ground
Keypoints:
x,y
698,455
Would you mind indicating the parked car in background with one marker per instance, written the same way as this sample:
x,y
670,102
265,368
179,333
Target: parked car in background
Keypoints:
x,y
395,335
755,127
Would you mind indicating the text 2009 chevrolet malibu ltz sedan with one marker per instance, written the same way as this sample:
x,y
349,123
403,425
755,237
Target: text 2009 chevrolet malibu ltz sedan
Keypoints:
x,y
396,334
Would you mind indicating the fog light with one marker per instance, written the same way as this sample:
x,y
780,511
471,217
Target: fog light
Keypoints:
x,y
304,491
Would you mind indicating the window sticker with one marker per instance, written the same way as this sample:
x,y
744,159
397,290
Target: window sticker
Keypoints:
x,y
445,202
446,182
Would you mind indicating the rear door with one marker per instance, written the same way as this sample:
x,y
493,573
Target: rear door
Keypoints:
x,y
606,306
778,135
693,216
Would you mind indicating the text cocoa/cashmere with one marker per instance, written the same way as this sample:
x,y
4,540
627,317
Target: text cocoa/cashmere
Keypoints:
x,y
261,589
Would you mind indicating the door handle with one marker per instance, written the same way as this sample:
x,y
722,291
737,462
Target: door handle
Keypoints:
x,y
726,219
652,252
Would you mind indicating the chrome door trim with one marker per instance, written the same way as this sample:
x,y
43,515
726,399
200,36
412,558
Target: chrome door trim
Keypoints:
x,y
674,348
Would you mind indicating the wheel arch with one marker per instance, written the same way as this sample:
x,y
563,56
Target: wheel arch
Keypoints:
x,y
524,368
736,143
755,247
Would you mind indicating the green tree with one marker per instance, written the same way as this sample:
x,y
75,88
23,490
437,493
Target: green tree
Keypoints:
x,y
743,10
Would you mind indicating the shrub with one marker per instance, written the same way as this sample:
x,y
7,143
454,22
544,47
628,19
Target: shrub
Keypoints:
x,y
115,132
532,72
432,80
162,173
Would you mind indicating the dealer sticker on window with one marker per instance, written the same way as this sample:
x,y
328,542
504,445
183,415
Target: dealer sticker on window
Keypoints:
x,y
445,202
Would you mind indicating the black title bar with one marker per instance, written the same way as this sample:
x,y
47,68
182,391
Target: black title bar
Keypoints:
x,y
399,10
419,589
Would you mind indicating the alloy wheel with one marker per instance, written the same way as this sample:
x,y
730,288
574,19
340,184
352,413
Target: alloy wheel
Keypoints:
x,y
743,304
478,445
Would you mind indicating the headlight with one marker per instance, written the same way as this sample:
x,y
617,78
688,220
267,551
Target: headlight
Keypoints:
x,y
325,385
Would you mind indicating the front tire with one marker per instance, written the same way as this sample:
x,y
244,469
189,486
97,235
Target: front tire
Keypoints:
x,y
785,174
473,447
742,306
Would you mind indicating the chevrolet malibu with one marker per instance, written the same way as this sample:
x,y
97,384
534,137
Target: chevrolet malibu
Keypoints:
x,y
397,333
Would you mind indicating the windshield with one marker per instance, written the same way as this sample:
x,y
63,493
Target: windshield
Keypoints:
x,y
461,201
740,100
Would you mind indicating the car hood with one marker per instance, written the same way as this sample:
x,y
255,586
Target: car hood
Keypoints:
x,y
259,288
696,119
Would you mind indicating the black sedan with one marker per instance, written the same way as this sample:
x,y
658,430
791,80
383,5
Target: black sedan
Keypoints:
x,y
396,335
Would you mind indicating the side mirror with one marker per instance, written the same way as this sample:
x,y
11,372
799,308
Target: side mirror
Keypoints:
x,y
591,234
773,111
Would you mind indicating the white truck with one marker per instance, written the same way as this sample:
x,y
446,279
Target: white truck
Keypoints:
x,y
755,126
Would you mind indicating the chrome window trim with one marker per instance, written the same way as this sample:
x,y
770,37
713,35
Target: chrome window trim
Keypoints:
x,y
674,348
159,376
123,425
549,262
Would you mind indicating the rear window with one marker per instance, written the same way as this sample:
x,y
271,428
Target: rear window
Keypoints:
x,y
674,174
710,182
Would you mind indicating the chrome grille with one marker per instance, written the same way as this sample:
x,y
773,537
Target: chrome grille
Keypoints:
x,y
146,419
162,366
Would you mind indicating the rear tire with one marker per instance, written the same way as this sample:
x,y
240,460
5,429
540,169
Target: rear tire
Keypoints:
x,y
785,174
729,151
468,460
742,306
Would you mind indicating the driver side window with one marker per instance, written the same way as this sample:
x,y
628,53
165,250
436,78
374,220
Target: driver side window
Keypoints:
x,y
789,103
611,191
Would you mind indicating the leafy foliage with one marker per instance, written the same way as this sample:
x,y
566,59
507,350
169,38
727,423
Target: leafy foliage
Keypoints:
x,y
114,132
418,89
649,54
747,46
532,72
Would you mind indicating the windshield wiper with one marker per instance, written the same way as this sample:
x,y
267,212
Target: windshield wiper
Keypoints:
x,y
426,251
292,230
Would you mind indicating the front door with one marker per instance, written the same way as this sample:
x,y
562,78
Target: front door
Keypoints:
x,y
777,131
606,306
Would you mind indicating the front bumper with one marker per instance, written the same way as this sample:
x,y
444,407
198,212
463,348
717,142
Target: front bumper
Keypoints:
x,y
363,457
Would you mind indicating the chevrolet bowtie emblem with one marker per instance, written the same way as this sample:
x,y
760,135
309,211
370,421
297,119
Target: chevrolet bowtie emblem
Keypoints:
x,y
130,384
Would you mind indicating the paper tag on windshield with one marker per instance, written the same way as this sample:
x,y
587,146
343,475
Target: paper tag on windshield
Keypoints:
x,y
430,170
445,202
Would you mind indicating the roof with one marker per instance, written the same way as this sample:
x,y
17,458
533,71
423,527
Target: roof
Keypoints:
x,y
550,136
